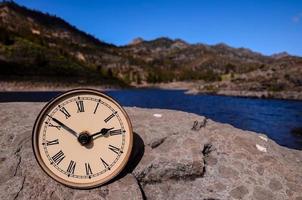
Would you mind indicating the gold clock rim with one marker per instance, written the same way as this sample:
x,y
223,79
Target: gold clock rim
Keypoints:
x,y
36,149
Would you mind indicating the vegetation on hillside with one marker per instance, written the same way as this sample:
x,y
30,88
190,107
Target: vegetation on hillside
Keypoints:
x,y
35,45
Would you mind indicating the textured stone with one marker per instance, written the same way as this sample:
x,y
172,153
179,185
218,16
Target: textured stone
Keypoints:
x,y
227,172
239,192
275,185
21,176
169,161
125,188
262,193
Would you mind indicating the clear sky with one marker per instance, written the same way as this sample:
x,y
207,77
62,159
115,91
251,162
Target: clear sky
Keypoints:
x,y
267,26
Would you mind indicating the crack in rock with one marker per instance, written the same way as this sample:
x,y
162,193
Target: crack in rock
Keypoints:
x,y
207,149
141,188
51,194
18,150
21,188
17,154
18,165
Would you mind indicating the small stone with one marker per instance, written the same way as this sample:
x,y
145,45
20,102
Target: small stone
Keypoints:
x,y
260,170
217,187
261,148
289,192
262,193
275,185
263,138
156,142
228,172
239,192
294,187
157,115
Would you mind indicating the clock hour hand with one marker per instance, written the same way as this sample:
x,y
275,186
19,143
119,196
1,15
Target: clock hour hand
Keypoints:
x,y
64,126
103,131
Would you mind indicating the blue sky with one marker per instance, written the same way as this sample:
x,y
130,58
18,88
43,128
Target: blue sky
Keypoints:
x,y
265,26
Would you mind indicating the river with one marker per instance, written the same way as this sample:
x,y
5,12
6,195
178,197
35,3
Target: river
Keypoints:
x,y
275,118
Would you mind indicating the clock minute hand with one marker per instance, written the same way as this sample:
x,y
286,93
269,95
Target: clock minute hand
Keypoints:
x,y
64,126
103,131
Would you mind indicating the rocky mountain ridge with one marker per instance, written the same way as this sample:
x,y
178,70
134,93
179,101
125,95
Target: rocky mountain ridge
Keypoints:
x,y
35,44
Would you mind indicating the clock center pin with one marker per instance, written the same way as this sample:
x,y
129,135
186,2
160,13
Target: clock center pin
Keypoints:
x,y
84,138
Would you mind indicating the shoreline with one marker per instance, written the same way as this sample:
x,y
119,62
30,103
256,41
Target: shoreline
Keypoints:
x,y
25,86
289,96
190,87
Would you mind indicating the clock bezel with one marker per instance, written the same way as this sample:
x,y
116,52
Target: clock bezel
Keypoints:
x,y
37,126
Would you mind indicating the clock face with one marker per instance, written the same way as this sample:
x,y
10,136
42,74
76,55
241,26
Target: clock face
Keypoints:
x,y
82,138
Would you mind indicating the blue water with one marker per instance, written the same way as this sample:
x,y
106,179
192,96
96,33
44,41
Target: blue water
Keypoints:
x,y
275,118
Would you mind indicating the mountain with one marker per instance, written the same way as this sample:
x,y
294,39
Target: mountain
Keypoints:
x,y
280,55
35,45
136,41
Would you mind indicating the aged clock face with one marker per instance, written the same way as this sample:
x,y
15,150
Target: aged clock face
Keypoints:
x,y
82,138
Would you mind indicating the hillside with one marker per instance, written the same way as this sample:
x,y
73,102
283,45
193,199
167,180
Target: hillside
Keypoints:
x,y
34,44
39,46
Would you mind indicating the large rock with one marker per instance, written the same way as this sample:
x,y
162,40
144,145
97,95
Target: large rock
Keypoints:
x,y
170,161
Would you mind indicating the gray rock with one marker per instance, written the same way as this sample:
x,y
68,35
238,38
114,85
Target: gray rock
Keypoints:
x,y
239,192
125,188
170,161
262,193
275,185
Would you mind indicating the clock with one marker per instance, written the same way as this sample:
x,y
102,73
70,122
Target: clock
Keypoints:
x,y
82,138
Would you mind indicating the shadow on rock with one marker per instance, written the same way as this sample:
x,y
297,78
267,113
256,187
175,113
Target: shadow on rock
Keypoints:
x,y
137,153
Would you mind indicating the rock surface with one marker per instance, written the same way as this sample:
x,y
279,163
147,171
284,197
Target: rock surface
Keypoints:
x,y
176,156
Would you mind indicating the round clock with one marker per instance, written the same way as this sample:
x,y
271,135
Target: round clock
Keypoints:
x,y
82,139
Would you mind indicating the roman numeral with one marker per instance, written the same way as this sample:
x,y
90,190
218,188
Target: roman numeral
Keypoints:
x,y
110,117
115,132
88,169
71,167
52,142
65,112
115,149
52,125
80,105
105,164
96,107
58,157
